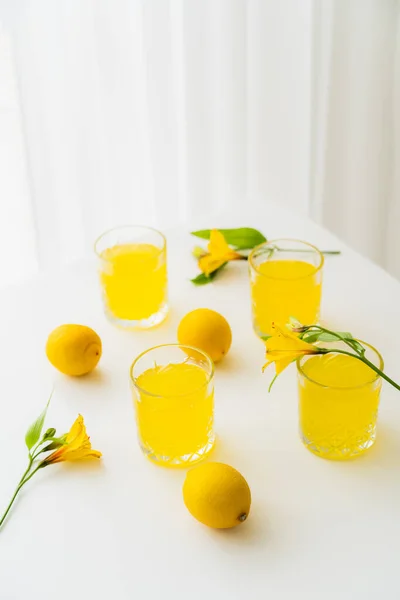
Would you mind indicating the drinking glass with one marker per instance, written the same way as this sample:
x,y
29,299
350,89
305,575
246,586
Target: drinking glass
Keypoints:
x,y
338,402
285,281
173,393
133,276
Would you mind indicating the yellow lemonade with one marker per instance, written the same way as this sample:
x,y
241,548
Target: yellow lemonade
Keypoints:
x,y
338,405
281,289
134,281
174,412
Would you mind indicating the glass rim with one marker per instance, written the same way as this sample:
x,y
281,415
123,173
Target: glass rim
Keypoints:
x,y
120,227
269,242
348,387
208,358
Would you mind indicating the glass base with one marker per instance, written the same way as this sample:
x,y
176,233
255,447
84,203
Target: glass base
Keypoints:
x,y
152,321
179,461
345,449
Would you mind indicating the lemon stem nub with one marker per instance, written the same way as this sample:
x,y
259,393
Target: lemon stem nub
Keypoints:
x,y
242,517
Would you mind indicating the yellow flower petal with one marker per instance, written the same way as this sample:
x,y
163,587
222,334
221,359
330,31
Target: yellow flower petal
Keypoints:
x,y
77,445
284,347
219,248
284,340
217,244
77,434
219,253
73,455
208,264
280,363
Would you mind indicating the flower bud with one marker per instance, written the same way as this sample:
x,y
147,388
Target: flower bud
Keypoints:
x,y
51,432
198,252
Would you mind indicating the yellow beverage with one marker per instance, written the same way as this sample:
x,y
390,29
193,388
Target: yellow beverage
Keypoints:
x,y
133,277
338,405
174,406
284,286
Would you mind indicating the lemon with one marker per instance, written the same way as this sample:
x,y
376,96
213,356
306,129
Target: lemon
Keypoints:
x,y
208,330
73,349
217,495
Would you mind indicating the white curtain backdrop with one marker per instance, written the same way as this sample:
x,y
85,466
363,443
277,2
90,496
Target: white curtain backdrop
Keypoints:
x,y
356,125
158,111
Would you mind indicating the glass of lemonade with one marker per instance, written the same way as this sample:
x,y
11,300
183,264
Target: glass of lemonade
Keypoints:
x,y
338,402
173,392
133,275
285,281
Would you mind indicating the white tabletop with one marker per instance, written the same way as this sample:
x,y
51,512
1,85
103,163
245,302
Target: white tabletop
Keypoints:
x,y
119,529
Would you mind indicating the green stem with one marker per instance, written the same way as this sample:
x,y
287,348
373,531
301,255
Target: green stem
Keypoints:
x,y
305,250
272,382
366,362
28,468
347,341
276,249
34,457
40,466
360,355
22,482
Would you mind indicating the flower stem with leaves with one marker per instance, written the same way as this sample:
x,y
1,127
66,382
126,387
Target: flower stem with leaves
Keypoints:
x,y
318,333
74,445
289,343
226,245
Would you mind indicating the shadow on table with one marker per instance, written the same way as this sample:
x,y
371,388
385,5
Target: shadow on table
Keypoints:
x,y
254,532
89,465
386,450
384,454
98,376
231,363
235,363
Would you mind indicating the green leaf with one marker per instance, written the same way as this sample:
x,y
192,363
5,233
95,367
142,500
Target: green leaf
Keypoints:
x,y
32,436
323,336
243,238
328,337
310,336
203,279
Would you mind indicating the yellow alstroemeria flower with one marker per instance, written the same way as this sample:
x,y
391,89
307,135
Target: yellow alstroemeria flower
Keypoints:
x,y
283,347
76,447
218,253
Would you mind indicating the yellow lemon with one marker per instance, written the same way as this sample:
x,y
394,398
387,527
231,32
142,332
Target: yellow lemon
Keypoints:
x,y
217,495
208,330
73,349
